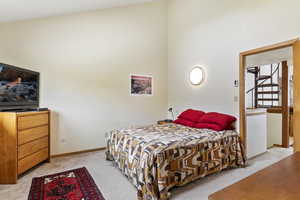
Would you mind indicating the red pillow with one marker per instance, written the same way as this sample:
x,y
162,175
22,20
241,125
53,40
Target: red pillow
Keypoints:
x,y
215,127
223,120
191,115
184,122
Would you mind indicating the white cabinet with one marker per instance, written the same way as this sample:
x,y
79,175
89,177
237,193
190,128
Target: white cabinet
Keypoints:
x,y
256,134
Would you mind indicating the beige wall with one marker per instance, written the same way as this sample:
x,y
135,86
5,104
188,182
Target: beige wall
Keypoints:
x,y
85,61
212,33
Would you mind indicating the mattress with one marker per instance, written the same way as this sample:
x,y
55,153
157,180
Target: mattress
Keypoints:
x,y
157,158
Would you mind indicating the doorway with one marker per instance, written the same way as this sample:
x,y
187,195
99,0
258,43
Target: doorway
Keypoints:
x,y
268,96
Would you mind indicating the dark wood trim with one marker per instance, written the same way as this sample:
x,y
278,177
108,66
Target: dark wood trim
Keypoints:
x,y
274,110
285,104
279,110
78,152
256,88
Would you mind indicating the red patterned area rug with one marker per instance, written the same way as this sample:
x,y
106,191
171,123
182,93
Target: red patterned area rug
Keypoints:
x,y
76,184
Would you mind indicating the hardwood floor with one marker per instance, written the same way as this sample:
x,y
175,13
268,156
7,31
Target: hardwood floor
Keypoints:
x,y
280,181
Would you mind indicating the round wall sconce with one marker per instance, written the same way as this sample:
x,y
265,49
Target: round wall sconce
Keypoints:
x,y
197,75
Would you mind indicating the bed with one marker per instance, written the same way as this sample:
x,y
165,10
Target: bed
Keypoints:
x,y
157,158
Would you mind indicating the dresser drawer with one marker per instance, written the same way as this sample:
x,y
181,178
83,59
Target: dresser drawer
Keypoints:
x,y
32,134
30,121
32,147
32,160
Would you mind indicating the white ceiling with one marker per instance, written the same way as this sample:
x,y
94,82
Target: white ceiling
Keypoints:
x,y
270,57
14,10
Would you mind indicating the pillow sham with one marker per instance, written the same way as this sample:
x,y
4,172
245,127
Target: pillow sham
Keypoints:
x,y
191,115
223,120
214,127
184,122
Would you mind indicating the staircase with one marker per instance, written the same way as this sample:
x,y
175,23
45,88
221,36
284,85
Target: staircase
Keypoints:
x,y
266,90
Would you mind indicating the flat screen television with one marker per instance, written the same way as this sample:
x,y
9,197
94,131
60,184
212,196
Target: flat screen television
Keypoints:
x,y
19,88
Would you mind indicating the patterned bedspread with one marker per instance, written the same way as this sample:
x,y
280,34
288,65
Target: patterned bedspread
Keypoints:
x,y
158,157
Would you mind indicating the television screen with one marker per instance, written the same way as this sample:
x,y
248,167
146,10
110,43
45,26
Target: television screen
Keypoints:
x,y
18,87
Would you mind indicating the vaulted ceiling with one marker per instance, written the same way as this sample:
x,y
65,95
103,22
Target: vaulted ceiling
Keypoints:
x,y
14,10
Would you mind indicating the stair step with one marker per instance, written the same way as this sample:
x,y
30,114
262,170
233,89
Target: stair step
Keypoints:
x,y
269,85
263,77
267,99
268,92
263,106
253,70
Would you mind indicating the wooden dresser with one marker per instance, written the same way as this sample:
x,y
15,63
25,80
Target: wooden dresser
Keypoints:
x,y
24,143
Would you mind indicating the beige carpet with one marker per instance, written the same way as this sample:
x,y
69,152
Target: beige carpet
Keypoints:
x,y
115,186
